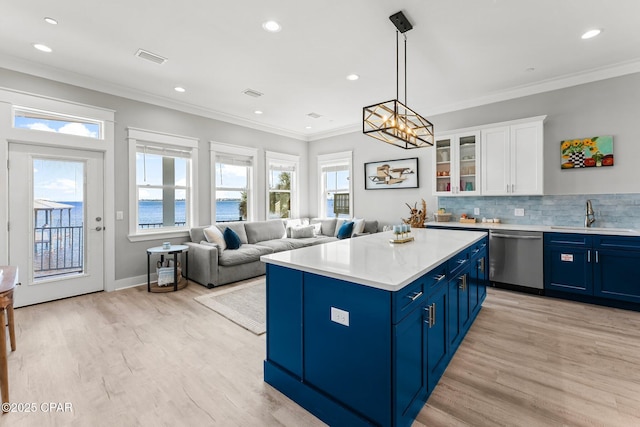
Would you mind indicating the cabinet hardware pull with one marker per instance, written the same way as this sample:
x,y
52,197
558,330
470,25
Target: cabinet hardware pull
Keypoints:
x,y
597,260
415,296
461,261
481,261
428,320
463,282
513,188
589,255
507,188
476,251
432,312
440,277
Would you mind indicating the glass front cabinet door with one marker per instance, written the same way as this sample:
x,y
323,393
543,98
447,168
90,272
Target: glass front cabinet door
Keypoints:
x,y
457,163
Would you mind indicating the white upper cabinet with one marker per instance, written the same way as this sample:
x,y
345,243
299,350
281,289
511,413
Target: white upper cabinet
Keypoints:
x,y
457,164
512,159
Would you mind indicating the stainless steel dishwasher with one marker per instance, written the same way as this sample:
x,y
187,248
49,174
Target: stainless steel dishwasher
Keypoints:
x,y
515,258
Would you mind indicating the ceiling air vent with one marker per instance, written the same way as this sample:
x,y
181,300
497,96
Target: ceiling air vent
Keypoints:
x,y
314,115
145,54
253,93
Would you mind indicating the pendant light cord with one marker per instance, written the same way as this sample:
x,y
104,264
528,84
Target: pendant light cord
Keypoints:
x,y
405,69
397,68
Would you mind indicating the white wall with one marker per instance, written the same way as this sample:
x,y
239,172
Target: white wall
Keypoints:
x,y
130,258
608,107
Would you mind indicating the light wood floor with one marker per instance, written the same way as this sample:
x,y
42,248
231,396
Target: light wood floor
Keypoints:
x,y
129,358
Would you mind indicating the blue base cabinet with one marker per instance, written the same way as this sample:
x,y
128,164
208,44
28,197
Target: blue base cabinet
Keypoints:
x,y
600,268
354,355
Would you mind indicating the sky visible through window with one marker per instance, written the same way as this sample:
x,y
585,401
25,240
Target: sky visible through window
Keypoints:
x,y
149,171
23,121
58,180
230,176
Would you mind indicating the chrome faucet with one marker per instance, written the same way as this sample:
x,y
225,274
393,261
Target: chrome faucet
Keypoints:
x,y
590,216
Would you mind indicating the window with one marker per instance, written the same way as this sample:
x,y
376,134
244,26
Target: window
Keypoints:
x,y
233,182
161,199
30,118
335,185
282,185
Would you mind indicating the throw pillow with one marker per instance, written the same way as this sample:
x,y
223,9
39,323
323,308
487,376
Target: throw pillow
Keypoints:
x,y
339,223
358,226
317,229
232,239
214,235
302,232
345,230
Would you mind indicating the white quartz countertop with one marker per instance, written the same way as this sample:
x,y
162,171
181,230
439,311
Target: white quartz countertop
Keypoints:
x,y
484,226
372,261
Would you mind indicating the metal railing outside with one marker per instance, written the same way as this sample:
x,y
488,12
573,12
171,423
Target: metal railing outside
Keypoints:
x,y
58,250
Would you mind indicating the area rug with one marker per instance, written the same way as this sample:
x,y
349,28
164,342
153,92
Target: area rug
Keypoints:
x,y
244,304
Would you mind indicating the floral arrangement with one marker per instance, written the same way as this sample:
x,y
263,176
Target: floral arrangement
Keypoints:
x,y
588,152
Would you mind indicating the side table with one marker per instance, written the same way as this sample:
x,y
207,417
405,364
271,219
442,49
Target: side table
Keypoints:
x,y
173,250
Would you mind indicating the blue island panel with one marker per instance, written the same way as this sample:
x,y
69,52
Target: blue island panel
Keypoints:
x,y
284,318
350,363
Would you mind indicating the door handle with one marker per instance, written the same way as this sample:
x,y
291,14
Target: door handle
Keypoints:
x,y
98,228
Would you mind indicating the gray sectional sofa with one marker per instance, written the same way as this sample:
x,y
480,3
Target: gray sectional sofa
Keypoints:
x,y
210,266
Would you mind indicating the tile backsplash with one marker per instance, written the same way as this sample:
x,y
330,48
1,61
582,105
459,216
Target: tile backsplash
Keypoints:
x,y
611,210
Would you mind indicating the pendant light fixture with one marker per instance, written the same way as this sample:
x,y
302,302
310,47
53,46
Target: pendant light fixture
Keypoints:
x,y
392,121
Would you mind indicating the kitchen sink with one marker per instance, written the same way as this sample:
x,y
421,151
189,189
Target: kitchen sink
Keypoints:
x,y
596,229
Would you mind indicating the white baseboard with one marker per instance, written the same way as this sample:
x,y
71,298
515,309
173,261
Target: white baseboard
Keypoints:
x,y
131,282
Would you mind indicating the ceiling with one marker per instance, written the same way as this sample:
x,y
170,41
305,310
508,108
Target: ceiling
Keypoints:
x,y
461,53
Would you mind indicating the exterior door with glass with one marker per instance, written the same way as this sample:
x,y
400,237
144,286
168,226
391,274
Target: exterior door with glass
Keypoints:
x,y
56,227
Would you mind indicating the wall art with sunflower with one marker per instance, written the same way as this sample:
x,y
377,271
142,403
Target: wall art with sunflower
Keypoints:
x,y
587,152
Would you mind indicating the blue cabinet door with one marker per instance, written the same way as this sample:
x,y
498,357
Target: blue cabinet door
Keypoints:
x,y
617,274
410,366
437,335
568,269
458,306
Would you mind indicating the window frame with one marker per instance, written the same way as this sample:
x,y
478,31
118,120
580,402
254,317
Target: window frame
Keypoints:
x,y
333,159
62,117
288,160
137,137
227,150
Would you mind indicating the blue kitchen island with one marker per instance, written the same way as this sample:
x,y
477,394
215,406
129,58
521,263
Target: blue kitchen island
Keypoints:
x,y
359,331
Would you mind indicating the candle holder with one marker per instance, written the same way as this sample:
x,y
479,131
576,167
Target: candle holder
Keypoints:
x,y
401,234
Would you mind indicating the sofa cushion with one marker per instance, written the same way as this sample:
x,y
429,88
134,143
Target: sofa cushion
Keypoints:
x,y
345,230
238,227
358,226
264,230
214,235
302,232
370,227
279,245
327,226
232,239
247,253
309,241
197,233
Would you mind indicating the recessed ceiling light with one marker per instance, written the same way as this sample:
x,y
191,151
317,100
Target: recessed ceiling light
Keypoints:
x,y
43,48
271,26
179,89
530,69
258,112
50,21
353,77
307,127
591,33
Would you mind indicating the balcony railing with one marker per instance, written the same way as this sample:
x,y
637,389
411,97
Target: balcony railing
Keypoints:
x,y
160,224
58,250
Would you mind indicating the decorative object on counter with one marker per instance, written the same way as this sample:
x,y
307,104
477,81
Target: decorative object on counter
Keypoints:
x,y
401,173
417,217
392,121
464,218
401,233
587,152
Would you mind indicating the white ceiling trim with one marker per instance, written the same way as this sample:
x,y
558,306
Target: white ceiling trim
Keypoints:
x,y
75,79
81,80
